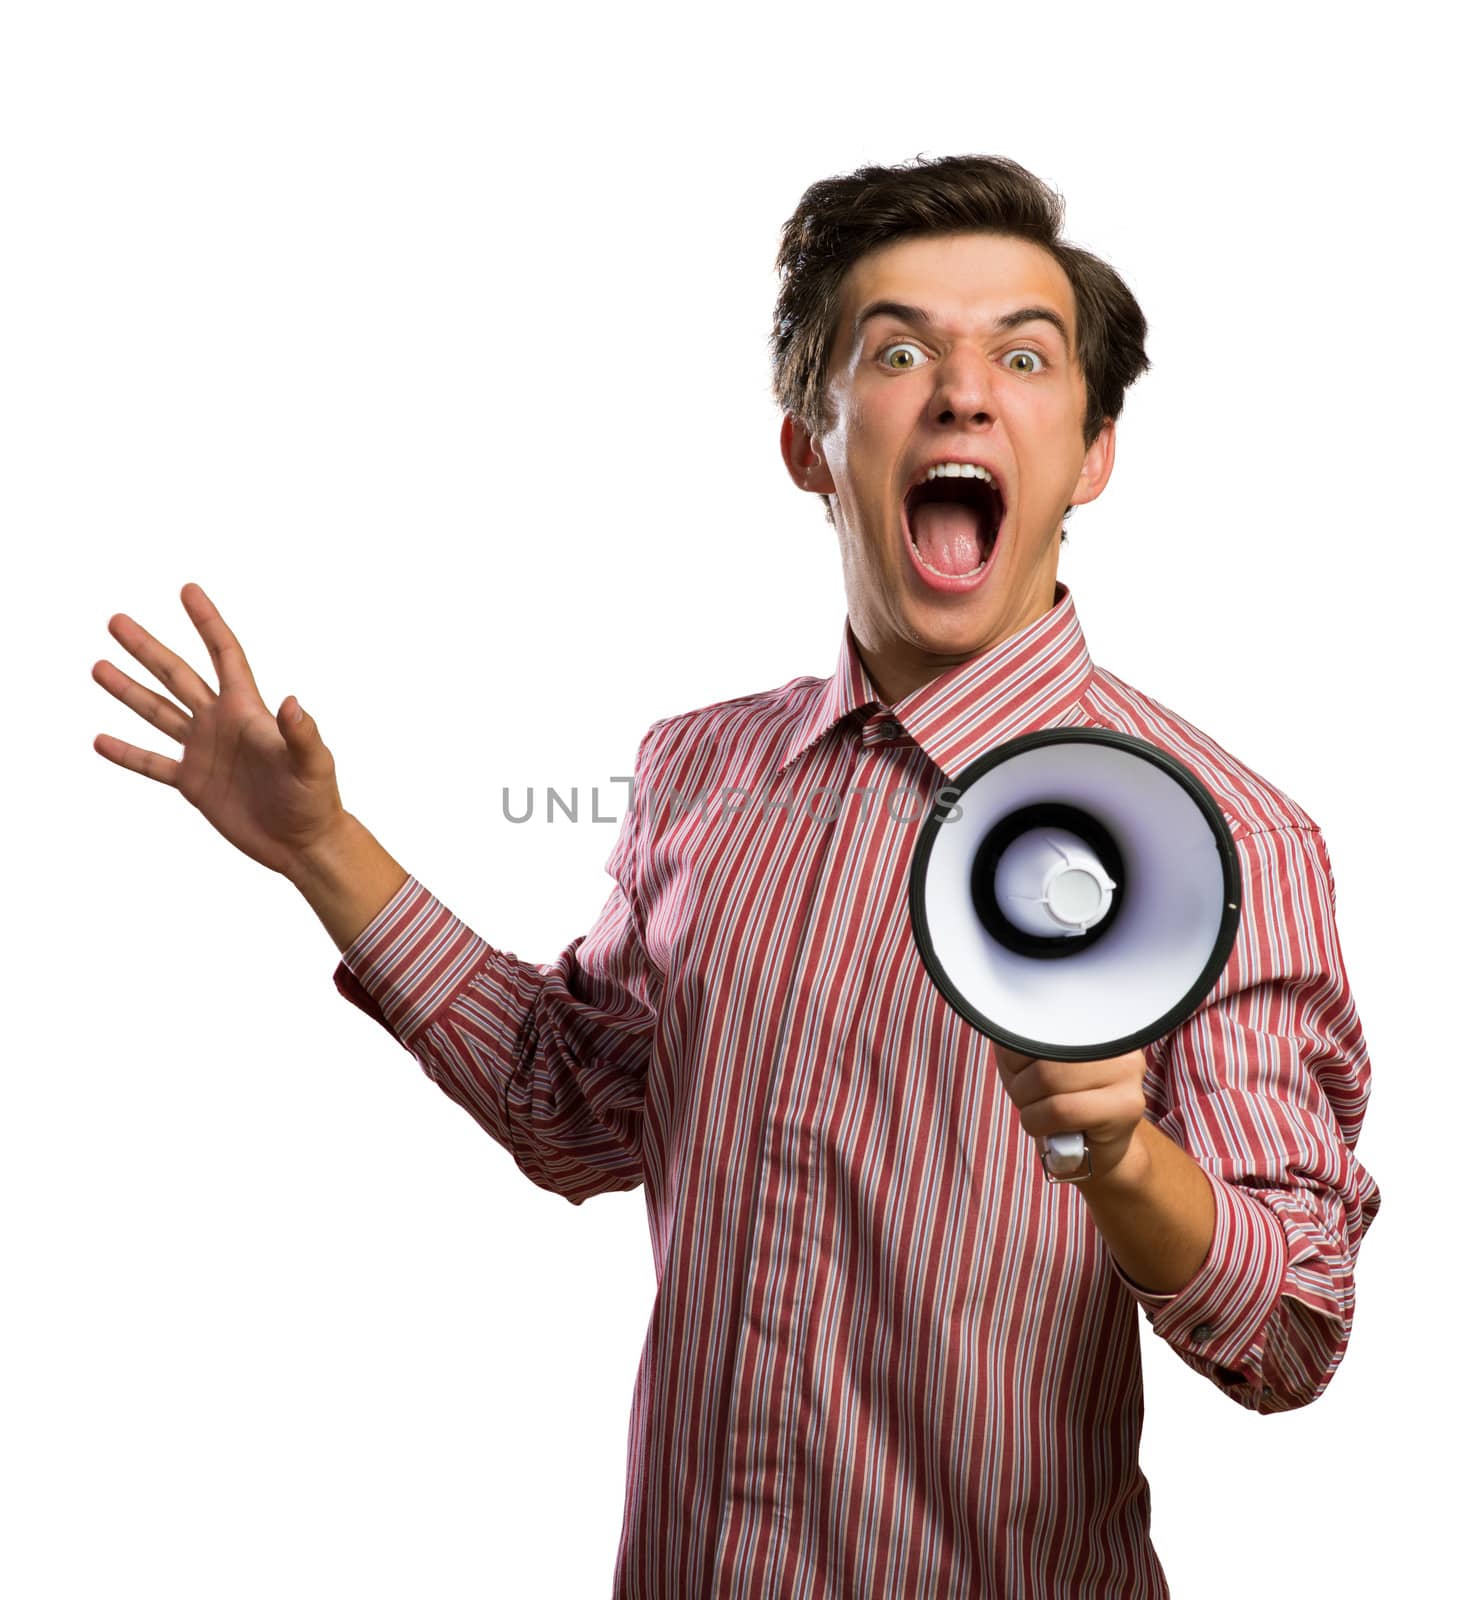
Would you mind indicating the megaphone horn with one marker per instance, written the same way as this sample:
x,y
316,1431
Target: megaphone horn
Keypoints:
x,y
1075,894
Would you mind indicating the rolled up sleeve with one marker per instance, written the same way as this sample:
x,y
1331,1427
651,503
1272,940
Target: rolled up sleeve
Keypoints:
x,y
1266,1087
549,1058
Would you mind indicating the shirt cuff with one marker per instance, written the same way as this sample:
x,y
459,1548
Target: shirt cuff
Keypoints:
x,y
1220,1314
409,962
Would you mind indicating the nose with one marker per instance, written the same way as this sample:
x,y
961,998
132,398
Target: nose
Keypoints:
x,y
964,389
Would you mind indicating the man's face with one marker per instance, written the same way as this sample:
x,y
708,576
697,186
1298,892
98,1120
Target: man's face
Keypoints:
x,y
970,384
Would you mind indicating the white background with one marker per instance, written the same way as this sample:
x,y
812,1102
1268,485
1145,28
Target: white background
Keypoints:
x,y
435,349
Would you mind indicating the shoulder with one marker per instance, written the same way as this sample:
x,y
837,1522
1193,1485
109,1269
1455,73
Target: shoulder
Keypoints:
x,y
749,725
1250,802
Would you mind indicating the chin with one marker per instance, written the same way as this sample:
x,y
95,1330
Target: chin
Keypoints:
x,y
940,634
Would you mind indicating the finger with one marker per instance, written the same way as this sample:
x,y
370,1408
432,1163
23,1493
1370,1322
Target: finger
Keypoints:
x,y
232,665
129,756
1009,1060
1044,1078
162,663
162,714
1089,1113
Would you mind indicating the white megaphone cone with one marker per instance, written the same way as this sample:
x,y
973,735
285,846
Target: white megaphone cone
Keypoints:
x,y
1075,895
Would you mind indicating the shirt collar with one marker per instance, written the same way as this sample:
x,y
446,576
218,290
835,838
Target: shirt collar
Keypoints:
x,y
1032,680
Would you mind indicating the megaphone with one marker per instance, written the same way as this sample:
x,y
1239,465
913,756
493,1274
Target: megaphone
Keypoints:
x,y
1075,893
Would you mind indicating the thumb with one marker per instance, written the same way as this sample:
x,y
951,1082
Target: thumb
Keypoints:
x,y
299,729
308,754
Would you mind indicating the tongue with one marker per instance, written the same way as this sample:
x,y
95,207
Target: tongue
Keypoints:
x,y
946,535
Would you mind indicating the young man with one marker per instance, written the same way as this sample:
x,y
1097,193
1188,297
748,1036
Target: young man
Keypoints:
x,y
887,1356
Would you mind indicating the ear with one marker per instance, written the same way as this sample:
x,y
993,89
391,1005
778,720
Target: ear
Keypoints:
x,y
1098,465
803,460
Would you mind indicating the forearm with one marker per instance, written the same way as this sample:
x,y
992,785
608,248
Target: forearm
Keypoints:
x,y
1155,1212
348,878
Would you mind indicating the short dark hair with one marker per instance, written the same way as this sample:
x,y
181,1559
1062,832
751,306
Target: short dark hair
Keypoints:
x,y
840,219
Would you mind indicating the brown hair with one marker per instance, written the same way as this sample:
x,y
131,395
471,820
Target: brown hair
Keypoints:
x,y
840,219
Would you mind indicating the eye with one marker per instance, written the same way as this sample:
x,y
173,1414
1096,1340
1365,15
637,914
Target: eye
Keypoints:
x,y
1029,355
901,345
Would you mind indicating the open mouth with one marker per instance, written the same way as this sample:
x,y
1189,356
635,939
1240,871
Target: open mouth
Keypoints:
x,y
952,525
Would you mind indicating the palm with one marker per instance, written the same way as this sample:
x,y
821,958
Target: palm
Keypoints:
x,y
237,769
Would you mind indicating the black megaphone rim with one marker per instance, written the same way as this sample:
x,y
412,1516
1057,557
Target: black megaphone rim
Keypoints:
x,y
1189,1002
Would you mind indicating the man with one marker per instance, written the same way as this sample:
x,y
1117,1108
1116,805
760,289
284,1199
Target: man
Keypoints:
x,y
887,1356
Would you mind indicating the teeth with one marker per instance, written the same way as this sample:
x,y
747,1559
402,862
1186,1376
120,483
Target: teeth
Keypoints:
x,y
930,568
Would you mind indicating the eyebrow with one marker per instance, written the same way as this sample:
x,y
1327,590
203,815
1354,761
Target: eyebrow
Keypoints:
x,y
919,318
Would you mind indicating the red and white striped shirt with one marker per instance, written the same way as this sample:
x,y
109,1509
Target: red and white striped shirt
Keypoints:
x,y
887,1357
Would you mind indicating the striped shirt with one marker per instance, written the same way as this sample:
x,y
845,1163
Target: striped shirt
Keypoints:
x,y
886,1356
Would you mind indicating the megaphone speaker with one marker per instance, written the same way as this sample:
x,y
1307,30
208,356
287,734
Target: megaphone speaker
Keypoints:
x,y
1075,894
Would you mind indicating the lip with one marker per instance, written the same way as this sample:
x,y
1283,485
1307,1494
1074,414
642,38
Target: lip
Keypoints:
x,y
936,580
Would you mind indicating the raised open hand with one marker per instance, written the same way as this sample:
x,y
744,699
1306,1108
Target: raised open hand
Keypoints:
x,y
265,782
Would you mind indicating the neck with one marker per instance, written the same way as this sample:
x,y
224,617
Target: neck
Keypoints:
x,y
898,668
894,677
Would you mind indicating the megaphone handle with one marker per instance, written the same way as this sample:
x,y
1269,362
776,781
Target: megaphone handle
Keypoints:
x,y
1066,1157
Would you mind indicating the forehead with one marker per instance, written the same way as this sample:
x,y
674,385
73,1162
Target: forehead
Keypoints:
x,y
961,279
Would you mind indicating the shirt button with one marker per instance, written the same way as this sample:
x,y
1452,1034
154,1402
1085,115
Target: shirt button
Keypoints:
x,y
1204,1331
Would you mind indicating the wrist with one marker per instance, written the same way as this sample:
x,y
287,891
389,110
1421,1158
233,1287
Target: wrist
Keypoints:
x,y
325,856
348,877
1131,1169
